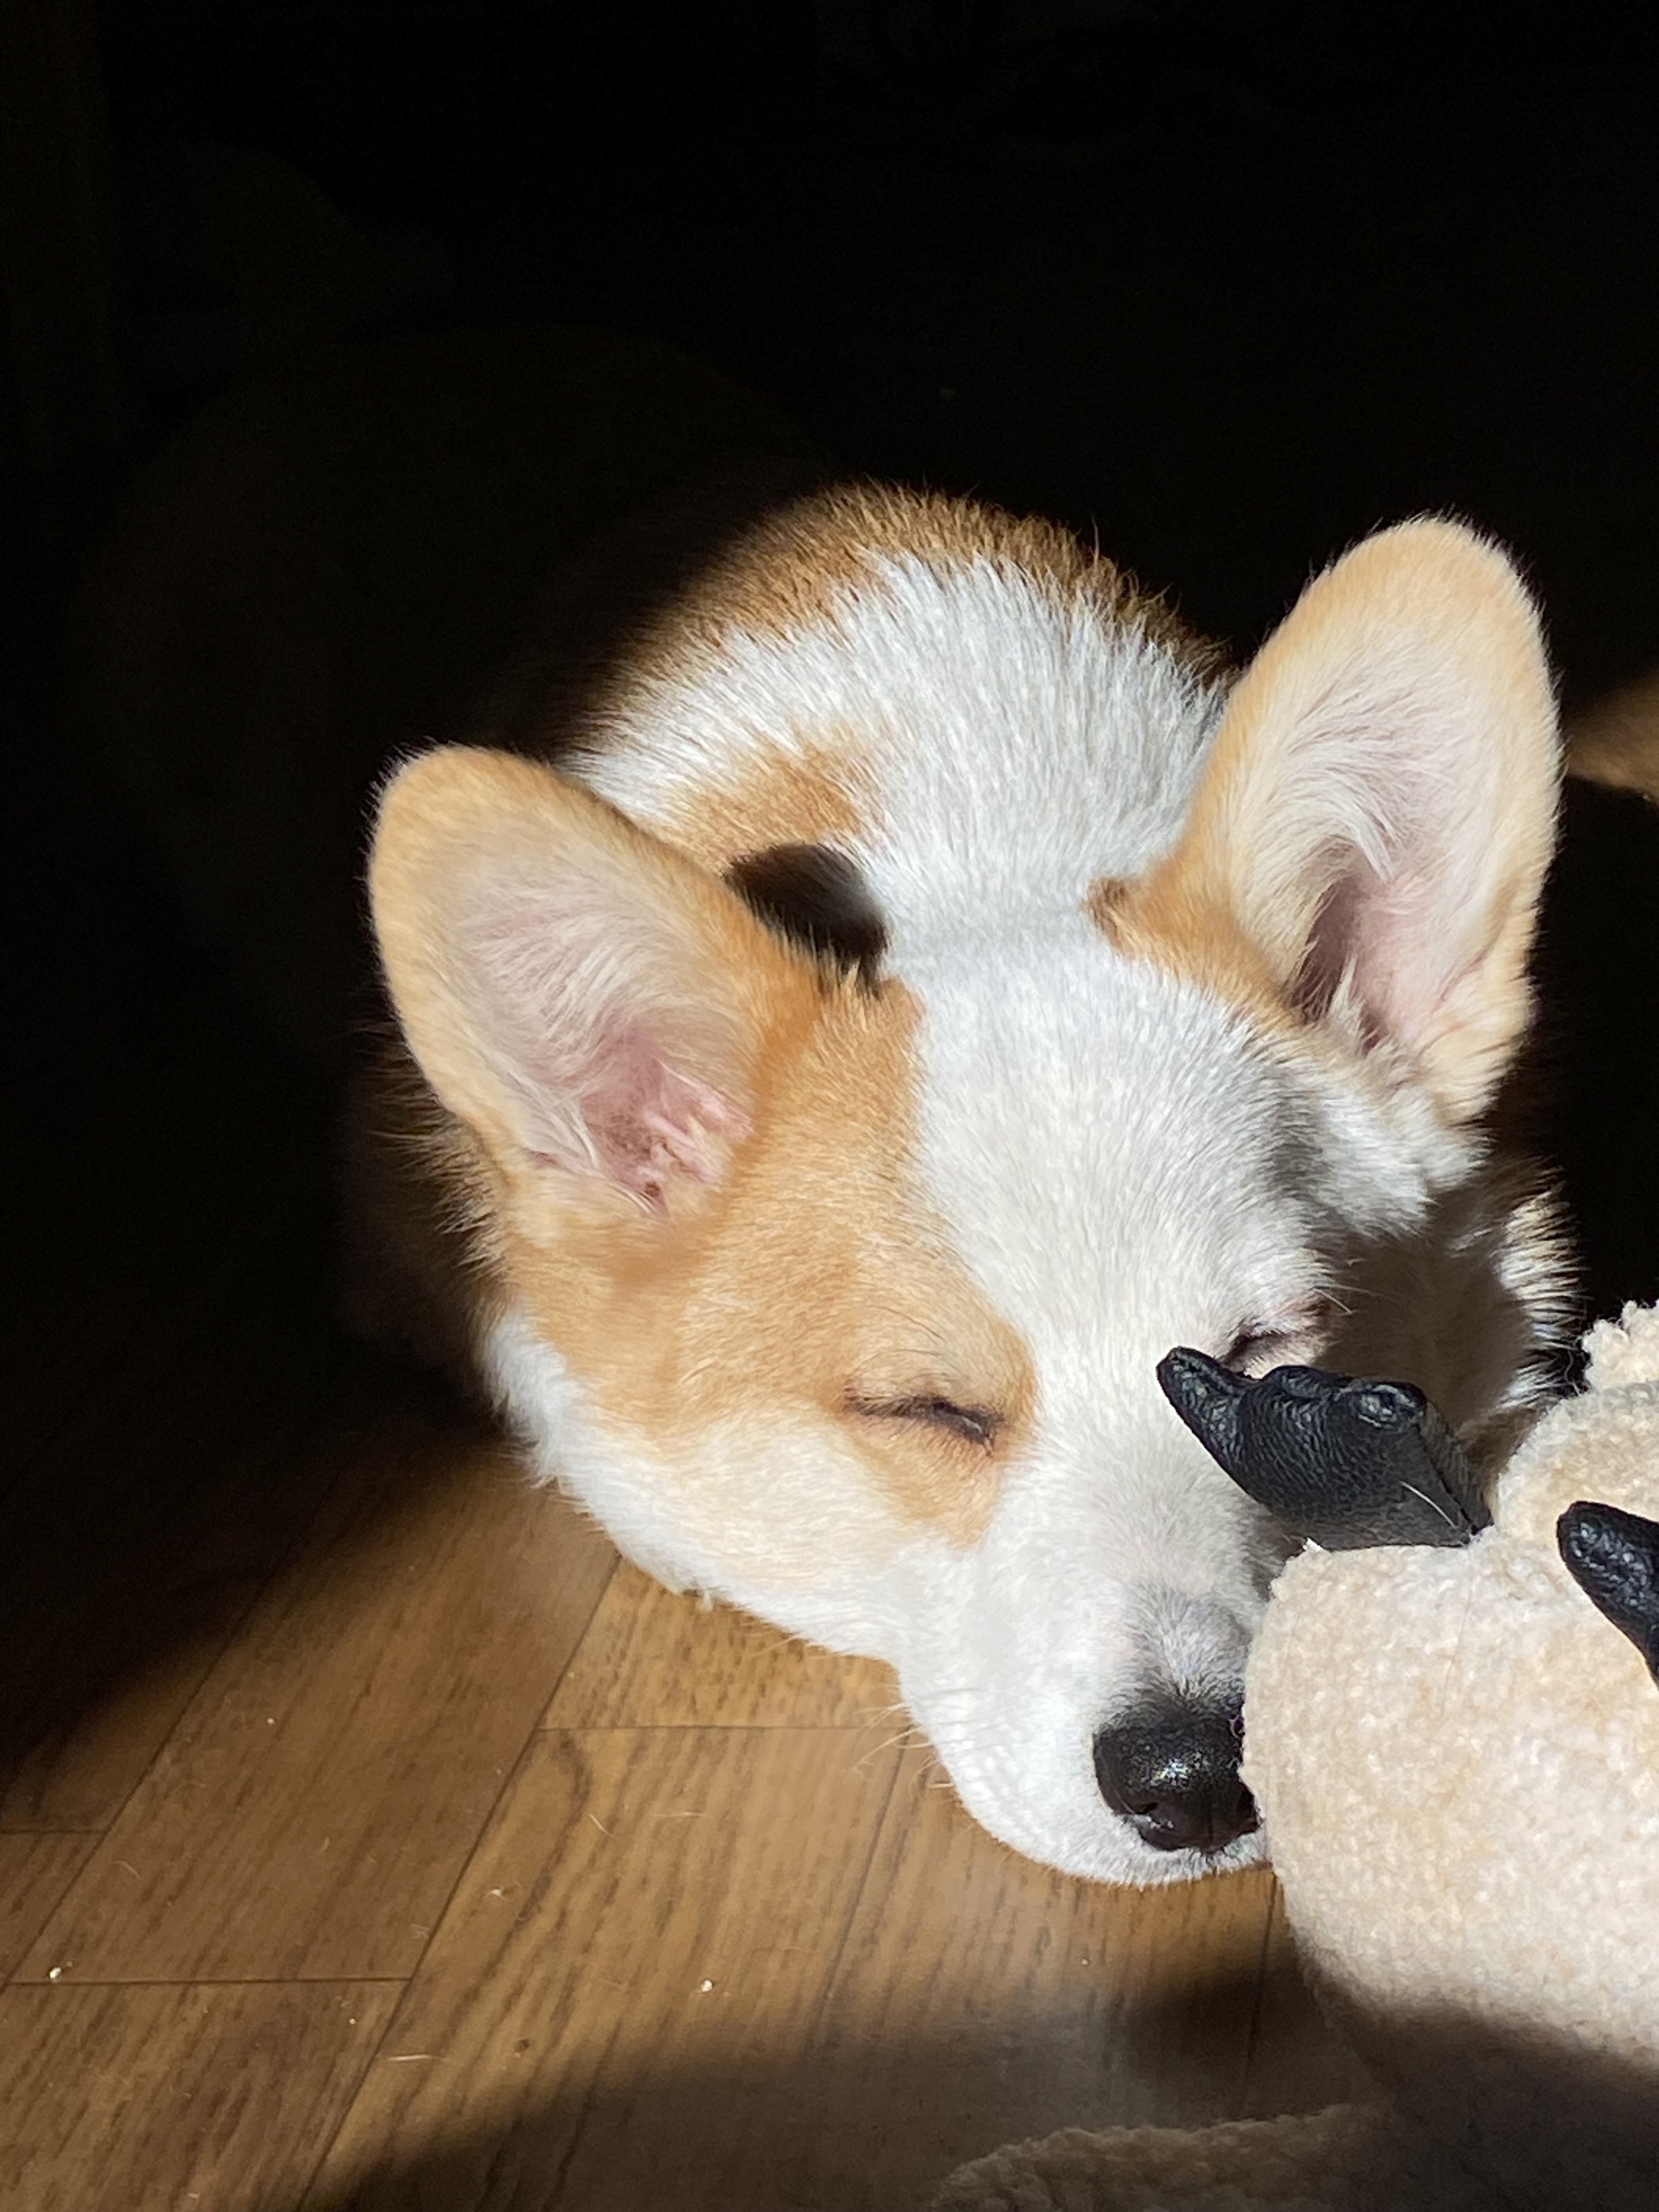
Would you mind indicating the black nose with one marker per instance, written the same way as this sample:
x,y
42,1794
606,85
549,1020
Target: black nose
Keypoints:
x,y
1172,1771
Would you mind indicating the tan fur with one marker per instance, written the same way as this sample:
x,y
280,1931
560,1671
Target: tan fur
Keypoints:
x,y
1104,903
1154,922
816,794
1212,911
1617,743
788,572
1160,917
709,1325
694,1318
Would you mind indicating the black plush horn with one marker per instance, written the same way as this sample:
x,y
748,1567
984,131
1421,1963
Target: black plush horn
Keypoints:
x,y
1347,1463
1613,1557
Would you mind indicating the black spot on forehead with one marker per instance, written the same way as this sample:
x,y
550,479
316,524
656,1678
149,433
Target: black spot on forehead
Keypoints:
x,y
816,898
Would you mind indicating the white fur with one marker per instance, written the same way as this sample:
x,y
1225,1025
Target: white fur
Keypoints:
x,y
1018,749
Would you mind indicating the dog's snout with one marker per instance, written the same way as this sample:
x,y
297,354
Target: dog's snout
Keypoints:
x,y
1172,1772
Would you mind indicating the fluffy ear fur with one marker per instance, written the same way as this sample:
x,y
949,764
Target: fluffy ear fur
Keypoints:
x,y
579,995
1371,835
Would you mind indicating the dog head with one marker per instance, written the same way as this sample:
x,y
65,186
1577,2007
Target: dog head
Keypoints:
x,y
837,1191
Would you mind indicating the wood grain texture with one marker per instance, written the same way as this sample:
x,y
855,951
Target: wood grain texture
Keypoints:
x,y
639,1942
176,2099
313,1808
34,1872
985,1999
655,1660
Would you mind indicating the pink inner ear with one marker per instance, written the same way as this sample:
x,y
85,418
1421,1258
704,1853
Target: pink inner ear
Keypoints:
x,y
1365,961
1328,963
646,1119
1377,956
601,1030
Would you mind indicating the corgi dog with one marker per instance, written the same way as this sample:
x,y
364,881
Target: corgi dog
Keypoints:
x,y
920,989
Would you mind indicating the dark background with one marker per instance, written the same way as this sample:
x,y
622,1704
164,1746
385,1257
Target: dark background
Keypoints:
x,y
1227,284
1230,282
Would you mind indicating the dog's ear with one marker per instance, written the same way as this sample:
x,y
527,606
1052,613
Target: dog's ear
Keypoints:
x,y
1370,834
582,997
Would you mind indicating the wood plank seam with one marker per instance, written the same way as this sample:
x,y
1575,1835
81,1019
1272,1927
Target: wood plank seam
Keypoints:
x,y
1259,1998
221,1982
510,1776
832,1968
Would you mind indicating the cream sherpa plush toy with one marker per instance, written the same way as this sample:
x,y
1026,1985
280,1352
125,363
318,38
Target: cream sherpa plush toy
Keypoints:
x,y
1456,1751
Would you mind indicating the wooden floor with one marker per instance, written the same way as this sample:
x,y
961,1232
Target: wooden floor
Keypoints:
x,y
376,1839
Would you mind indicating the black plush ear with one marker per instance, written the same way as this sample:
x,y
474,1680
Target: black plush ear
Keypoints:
x,y
1346,1463
1613,1557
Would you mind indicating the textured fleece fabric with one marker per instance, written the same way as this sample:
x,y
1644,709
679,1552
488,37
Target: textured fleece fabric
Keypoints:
x,y
1458,1761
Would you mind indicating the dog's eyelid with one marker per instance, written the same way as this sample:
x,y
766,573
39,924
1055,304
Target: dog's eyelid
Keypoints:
x,y
1281,1341
974,1424
1251,1342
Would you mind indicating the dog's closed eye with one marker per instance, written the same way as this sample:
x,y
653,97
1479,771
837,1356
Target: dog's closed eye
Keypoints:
x,y
1292,1339
973,1424
1254,1351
